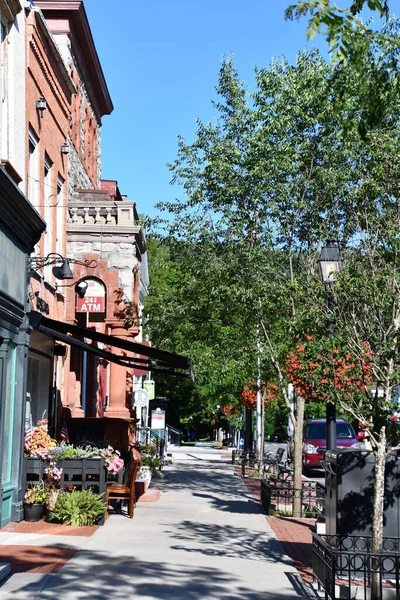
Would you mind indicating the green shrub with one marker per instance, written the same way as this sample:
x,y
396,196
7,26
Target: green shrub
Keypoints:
x,y
65,452
78,508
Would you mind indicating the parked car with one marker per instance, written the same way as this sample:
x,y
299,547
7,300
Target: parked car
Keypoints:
x,y
314,441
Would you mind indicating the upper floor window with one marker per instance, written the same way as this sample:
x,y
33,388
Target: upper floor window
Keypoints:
x,y
33,169
49,201
60,216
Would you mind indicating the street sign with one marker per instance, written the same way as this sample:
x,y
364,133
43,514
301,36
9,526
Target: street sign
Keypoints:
x,y
94,298
158,419
148,385
140,398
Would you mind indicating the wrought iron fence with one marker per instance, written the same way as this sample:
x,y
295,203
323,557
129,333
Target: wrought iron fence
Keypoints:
x,y
145,435
277,496
273,464
344,566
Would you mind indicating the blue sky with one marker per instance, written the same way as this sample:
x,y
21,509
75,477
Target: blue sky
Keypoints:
x,y
161,60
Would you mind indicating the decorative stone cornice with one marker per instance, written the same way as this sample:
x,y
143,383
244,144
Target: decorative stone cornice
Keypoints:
x,y
49,77
69,17
10,9
55,51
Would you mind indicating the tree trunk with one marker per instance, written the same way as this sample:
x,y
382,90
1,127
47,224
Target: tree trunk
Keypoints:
x,y
298,456
377,523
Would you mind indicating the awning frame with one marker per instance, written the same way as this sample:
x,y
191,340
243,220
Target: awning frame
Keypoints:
x,y
157,360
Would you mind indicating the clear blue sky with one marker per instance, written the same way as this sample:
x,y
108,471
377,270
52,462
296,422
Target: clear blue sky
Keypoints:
x,y
161,60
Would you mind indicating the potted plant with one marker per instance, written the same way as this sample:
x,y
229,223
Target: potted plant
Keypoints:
x,y
51,501
79,507
34,502
149,463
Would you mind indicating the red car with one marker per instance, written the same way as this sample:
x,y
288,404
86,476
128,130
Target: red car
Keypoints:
x,y
314,441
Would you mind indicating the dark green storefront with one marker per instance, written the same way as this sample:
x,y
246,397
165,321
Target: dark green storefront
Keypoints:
x,y
20,229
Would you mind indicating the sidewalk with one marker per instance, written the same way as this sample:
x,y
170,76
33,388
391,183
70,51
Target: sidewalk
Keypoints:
x,y
204,539
294,534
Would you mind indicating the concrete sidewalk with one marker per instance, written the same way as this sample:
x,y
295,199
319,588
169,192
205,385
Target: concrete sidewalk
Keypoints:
x,y
204,539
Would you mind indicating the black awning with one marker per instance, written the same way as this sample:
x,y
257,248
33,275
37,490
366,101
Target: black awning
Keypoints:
x,y
156,360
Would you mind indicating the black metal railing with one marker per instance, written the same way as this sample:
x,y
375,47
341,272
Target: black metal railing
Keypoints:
x,y
145,435
173,436
344,566
273,464
277,496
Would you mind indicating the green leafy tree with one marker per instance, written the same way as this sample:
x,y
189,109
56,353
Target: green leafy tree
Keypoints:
x,y
336,23
265,185
184,314
349,39
259,184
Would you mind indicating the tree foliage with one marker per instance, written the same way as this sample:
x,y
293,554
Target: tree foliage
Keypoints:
x,y
266,184
349,41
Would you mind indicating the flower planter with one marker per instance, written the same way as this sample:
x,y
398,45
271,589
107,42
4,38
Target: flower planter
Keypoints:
x,y
47,514
33,512
144,475
84,473
79,473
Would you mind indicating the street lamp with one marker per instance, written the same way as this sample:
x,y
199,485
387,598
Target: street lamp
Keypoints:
x,y
330,264
61,269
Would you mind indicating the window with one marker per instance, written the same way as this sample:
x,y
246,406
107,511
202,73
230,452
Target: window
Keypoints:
x,y
49,201
60,216
33,169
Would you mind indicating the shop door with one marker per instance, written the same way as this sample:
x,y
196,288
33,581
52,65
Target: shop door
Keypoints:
x,y
7,400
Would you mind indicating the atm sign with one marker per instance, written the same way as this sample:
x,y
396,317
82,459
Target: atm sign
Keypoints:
x,y
90,304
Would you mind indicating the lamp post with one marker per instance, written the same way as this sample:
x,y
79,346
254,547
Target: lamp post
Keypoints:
x,y
61,268
330,263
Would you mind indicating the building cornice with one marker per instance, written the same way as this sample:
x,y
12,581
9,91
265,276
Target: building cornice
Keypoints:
x,y
42,61
69,17
54,49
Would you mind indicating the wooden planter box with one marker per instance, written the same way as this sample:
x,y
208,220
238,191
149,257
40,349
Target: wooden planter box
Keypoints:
x,y
78,473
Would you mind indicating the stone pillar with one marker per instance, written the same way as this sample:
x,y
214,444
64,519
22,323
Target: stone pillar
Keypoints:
x,y
119,381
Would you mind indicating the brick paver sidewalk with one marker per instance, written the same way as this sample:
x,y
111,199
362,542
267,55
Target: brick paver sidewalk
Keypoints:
x,y
294,534
36,558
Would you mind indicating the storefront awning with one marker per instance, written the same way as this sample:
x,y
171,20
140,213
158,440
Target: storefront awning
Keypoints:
x,y
150,359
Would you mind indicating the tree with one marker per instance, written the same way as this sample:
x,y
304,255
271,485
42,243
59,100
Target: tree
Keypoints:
x,y
266,185
185,314
259,184
338,22
348,38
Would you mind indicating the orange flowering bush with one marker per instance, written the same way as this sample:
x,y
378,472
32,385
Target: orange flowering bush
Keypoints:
x,y
38,441
318,370
230,409
249,395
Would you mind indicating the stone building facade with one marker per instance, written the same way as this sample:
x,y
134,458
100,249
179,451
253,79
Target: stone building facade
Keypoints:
x,y
103,226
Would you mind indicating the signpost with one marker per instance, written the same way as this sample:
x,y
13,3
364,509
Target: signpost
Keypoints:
x,y
158,419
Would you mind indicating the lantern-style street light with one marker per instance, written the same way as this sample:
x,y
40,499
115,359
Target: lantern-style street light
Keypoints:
x,y
330,263
61,268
